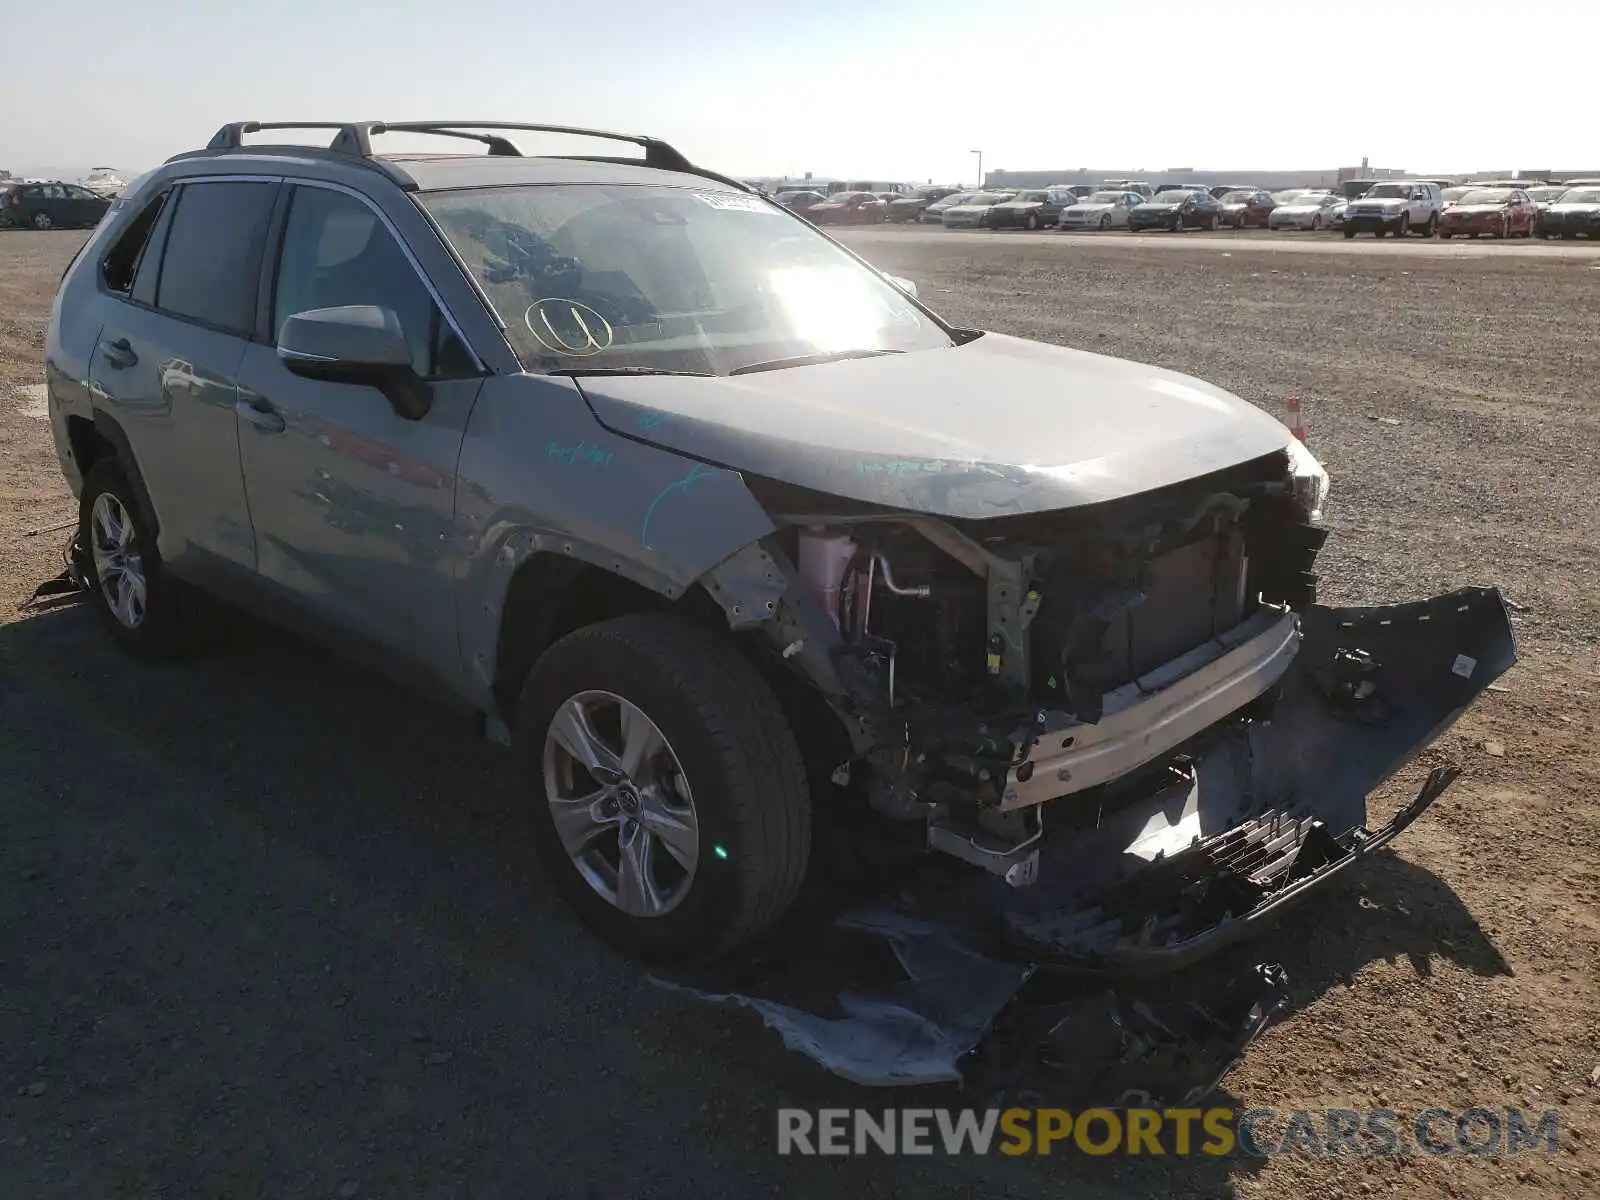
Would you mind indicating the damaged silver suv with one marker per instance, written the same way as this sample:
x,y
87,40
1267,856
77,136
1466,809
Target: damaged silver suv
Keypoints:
x,y
724,531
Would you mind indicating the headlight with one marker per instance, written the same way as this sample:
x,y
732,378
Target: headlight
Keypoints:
x,y
1310,479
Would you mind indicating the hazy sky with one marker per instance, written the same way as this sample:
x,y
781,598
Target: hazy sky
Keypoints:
x,y
888,88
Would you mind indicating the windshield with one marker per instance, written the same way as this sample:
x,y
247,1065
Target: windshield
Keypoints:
x,y
1391,190
1487,196
989,197
1454,193
1544,193
952,201
1238,197
1103,198
1171,197
1581,196
650,278
1030,198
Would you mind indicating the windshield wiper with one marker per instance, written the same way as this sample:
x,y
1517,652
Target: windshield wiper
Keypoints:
x,y
806,360
625,371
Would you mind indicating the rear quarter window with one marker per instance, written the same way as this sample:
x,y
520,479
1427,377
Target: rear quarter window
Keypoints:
x,y
210,270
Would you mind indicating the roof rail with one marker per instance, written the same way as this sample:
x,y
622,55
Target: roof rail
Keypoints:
x,y
354,138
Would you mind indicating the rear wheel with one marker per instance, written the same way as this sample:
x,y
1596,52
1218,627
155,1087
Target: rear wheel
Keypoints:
x,y
672,806
41,220
1404,228
1316,224
1349,232
147,613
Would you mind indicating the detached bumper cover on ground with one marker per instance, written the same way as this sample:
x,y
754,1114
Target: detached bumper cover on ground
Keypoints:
x,y
1258,813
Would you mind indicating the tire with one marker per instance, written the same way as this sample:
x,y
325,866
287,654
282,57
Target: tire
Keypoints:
x,y
1349,233
1505,229
1316,224
1211,223
1404,228
725,734
1105,222
41,221
1446,236
147,613
1431,227
1033,221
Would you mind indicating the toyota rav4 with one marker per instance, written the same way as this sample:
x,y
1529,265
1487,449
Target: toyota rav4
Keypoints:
x,y
723,530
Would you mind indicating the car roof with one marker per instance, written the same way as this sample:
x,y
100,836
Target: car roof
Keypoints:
x,y
350,157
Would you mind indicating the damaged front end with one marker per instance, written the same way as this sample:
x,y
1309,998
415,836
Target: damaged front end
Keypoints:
x,y
1133,713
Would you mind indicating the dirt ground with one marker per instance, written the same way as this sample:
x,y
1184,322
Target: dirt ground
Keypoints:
x,y
268,925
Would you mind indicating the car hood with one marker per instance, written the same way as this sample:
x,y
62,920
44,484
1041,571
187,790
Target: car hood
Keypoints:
x,y
1476,210
1380,202
1585,206
1021,204
1297,210
1157,208
998,426
1092,208
969,208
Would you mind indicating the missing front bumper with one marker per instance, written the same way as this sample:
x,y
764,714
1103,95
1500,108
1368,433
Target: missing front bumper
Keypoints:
x,y
1270,807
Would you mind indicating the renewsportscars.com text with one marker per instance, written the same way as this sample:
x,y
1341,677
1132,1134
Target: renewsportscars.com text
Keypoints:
x,y
1254,1132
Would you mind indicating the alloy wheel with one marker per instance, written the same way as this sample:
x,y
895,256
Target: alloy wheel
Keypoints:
x,y
621,803
118,563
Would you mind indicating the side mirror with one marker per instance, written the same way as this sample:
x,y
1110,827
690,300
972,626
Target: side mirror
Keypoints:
x,y
360,344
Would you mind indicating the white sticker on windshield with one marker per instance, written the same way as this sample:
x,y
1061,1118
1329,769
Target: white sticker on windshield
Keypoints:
x,y
736,202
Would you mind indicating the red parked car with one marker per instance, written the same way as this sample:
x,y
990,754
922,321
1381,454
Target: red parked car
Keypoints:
x,y
1494,212
850,208
1247,208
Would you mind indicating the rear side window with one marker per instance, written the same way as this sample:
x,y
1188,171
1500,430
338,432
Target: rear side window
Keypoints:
x,y
121,263
211,266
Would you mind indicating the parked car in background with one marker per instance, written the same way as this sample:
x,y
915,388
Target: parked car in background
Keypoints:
x,y
1398,206
1144,189
800,202
1082,190
1449,195
1035,208
974,211
1246,208
1543,197
1307,209
909,208
1576,211
849,208
934,213
52,206
1176,209
1220,190
105,181
1100,210
1492,212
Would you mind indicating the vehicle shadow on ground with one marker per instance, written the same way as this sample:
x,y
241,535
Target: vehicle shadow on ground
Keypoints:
x,y
275,867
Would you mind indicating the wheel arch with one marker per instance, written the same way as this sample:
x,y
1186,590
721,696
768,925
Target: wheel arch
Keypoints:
x,y
92,440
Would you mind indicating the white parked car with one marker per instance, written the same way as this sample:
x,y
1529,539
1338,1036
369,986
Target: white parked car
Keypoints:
x,y
1100,210
1397,206
1306,209
975,212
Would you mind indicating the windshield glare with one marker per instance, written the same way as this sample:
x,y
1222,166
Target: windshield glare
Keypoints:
x,y
1391,190
1102,198
1487,196
1171,197
1238,197
662,278
1581,196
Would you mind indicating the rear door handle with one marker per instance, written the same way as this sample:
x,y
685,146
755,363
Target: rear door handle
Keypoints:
x,y
260,414
119,353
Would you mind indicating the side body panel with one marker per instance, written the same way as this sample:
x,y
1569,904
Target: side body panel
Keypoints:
x,y
540,475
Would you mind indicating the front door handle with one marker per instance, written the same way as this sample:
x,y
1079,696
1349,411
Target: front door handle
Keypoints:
x,y
119,353
260,414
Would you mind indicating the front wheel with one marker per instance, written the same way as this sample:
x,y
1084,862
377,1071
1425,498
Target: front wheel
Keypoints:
x,y
672,807
42,221
1105,222
1316,224
1349,233
1404,228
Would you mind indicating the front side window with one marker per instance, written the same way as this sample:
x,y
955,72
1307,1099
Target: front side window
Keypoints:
x,y
653,278
211,265
338,252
